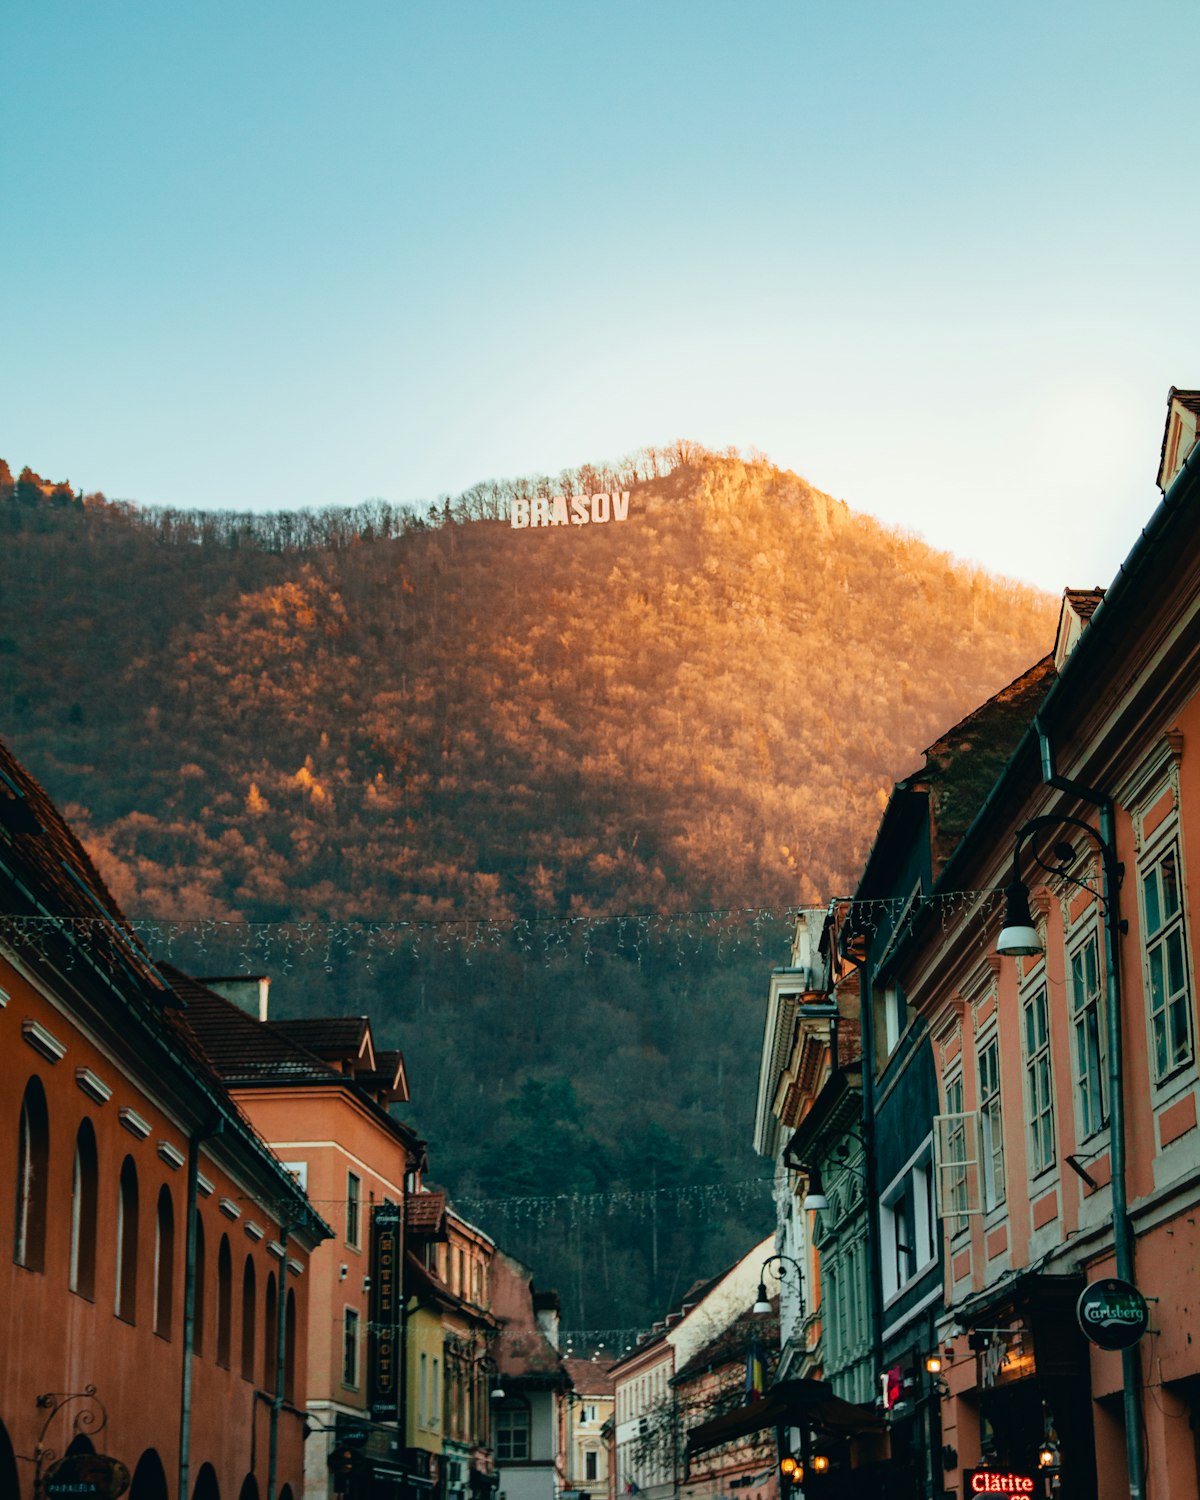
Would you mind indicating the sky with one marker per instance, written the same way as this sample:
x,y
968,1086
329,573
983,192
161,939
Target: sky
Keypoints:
x,y
931,256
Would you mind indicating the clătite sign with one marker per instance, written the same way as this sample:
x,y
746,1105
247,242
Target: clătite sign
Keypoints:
x,y
997,1482
570,510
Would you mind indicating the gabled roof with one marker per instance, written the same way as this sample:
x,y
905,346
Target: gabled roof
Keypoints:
x,y
244,1050
522,1352
335,1039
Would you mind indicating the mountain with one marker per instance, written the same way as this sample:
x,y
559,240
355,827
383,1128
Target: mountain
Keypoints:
x,y
316,721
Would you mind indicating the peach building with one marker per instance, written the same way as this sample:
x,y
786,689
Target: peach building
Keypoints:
x,y
318,1091
155,1297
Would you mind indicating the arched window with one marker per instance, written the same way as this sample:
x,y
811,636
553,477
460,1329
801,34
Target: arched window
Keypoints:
x,y
84,1202
127,1243
164,1263
33,1162
248,1320
270,1336
199,1272
224,1302
289,1349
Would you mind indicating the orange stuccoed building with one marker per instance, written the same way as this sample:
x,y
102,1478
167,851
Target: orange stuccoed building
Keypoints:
x,y
154,1281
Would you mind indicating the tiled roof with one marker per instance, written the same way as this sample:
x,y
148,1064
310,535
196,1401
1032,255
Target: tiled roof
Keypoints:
x,y
522,1352
241,1048
57,866
334,1038
387,1077
425,1213
733,1343
590,1377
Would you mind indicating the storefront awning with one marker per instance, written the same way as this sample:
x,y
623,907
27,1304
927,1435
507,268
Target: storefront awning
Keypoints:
x,y
790,1403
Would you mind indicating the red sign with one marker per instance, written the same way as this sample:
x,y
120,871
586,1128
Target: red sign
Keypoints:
x,y
996,1482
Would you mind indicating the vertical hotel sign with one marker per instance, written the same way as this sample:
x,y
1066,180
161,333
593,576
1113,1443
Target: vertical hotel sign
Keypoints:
x,y
386,1311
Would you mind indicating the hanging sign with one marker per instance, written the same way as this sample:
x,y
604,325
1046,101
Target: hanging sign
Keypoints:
x,y
386,1296
1112,1313
570,510
86,1476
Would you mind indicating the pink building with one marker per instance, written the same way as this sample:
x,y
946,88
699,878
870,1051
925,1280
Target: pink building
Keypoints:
x,y
1068,1150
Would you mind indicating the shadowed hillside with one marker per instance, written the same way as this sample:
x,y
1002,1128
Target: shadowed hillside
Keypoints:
x,y
379,715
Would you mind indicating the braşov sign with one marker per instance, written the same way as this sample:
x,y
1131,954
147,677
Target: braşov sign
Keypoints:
x,y
570,510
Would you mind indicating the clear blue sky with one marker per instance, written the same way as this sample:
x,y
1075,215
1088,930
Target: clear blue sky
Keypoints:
x,y
935,257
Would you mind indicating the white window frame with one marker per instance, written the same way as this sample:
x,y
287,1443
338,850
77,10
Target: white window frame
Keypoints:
x,y
911,1187
1089,1041
1171,929
988,1088
1037,1055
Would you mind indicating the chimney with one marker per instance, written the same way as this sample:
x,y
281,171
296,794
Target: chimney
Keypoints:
x,y
249,992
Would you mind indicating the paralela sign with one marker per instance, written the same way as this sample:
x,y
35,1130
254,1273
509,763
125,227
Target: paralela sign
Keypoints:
x,y
570,510
1112,1313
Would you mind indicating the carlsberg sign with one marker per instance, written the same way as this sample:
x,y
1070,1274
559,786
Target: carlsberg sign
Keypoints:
x,y
570,510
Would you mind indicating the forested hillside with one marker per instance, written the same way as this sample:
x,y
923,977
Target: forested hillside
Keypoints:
x,y
377,715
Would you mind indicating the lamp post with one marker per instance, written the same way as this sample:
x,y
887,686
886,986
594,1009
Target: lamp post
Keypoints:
x,y
762,1303
1019,937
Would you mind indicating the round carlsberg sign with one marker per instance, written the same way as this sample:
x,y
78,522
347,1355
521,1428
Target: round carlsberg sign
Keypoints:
x,y
1112,1313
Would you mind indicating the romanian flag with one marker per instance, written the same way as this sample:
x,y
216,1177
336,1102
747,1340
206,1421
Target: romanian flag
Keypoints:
x,y
756,1374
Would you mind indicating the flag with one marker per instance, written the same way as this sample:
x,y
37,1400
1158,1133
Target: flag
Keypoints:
x,y
756,1375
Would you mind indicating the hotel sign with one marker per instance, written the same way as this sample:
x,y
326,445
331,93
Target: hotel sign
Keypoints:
x,y
387,1291
569,510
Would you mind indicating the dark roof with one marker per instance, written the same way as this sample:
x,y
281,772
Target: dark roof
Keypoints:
x,y
962,766
241,1048
696,1293
334,1038
44,852
57,868
522,1352
733,1343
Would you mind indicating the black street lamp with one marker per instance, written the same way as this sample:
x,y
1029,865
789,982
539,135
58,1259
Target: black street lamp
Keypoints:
x,y
762,1303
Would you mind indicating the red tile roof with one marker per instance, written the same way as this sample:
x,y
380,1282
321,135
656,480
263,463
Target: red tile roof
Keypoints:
x,y
425,1213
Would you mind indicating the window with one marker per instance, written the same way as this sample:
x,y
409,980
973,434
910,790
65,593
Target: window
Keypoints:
x,y
289,1349
248,1312
955,1158
199,1283
164,1264
224,1303
271,1336
350,1347
423,1391
991,1124
907,1243
1039,1085
591,1464
1087,1029
435,1396
353,1202
33,1160
512,1434
895,1015
1166,963
127,1242
84,1203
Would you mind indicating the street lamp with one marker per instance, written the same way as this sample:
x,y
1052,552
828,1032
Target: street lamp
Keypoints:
x,y
1019,937
762,1304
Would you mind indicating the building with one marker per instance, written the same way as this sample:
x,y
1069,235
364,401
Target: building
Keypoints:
x,y
650,1430
453,1280
1068,1150
156,1301
318,1092
529,1409
589,1408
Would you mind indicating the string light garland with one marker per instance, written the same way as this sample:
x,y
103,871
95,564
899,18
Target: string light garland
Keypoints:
x,y
280,946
